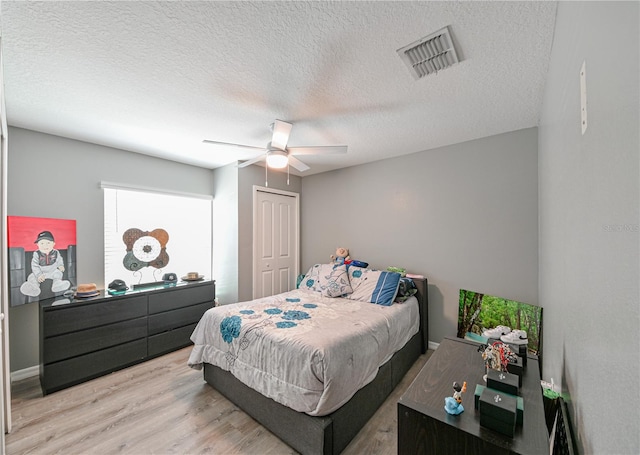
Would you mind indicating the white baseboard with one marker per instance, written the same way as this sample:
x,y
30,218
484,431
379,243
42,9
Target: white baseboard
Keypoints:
x,y
25,373
433,345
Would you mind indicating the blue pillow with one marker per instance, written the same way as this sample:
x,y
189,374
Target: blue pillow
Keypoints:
x,y
373,286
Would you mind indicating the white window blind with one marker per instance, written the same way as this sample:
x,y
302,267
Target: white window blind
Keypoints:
x,y
186,220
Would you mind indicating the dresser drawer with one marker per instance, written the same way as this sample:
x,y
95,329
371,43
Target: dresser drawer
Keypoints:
x,y
62,374
177,318
77,343
70,319
170,341
181,297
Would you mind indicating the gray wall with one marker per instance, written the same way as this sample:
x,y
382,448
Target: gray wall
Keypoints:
x,y
465,216
75,169
225,232
589,274
233,238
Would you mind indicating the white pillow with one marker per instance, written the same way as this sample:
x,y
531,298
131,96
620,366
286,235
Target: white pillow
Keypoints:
x,y
333,280
310,280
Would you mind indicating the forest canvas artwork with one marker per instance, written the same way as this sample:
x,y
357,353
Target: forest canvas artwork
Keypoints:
x,y
478,311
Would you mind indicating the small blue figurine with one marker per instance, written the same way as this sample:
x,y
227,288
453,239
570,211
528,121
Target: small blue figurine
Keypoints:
x,y
453,405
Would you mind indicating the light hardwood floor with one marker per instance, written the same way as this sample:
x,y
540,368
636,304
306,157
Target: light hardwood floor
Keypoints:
x,y
162,407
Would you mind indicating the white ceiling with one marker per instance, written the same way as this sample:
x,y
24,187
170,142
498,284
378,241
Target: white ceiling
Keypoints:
x,y
159,77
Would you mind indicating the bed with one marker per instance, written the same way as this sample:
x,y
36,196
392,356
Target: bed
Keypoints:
x,y
313,411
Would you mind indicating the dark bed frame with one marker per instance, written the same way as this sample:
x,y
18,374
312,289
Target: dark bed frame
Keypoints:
x,y
328,434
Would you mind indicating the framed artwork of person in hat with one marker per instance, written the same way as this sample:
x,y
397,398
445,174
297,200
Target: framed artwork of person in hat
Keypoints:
x,y
41,258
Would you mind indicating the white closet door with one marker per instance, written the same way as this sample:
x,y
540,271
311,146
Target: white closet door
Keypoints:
x,y
275,241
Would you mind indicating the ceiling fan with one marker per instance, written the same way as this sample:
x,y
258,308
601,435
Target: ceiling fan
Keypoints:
x,y
277,154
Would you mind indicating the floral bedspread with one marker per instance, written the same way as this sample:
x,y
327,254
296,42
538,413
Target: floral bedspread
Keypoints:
x,y
305,351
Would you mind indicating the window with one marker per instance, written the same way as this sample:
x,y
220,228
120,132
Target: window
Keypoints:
x,y
148,234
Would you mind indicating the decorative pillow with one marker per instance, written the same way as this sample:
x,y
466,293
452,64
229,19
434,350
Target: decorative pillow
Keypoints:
x,y
310,280
406,289
333,280
374,286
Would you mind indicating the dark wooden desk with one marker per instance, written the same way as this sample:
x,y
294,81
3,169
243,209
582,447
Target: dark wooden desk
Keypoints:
x,y
425,427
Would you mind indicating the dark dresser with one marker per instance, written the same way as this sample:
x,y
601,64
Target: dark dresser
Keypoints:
x,y
81,339
424,427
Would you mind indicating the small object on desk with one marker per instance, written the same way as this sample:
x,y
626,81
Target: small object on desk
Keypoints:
x,y
517,337
519,403
117,285
498,411
496,356
453,405
496,332
85,291
169,278
503,381
521,351
192,276
516,367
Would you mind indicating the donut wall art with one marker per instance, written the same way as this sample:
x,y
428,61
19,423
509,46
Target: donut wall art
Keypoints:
x,y
145,249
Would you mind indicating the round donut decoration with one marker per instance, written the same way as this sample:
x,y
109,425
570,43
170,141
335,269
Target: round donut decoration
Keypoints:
x,y
145,249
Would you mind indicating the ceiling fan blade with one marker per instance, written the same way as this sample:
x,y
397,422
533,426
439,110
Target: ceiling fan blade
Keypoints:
x,y
281,132
252,161
299,165
320,150
228,144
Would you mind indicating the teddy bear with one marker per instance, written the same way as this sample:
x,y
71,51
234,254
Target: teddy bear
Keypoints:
x,y
341,257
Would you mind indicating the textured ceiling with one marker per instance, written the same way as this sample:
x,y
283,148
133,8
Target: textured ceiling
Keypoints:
x,y
159,77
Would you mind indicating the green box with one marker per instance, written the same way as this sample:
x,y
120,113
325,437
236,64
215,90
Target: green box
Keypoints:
x,y
503,381
498,411
516,368
519,403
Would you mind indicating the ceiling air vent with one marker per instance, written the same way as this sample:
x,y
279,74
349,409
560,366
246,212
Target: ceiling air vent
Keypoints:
x,y
430,54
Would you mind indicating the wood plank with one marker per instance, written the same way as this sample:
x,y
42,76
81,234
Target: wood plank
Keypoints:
x,y
162,406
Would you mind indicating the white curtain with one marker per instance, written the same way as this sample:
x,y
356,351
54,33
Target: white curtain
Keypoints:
x,y
186,220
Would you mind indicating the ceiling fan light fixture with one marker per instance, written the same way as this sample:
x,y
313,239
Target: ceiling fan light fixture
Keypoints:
x,y
277,159
277,154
